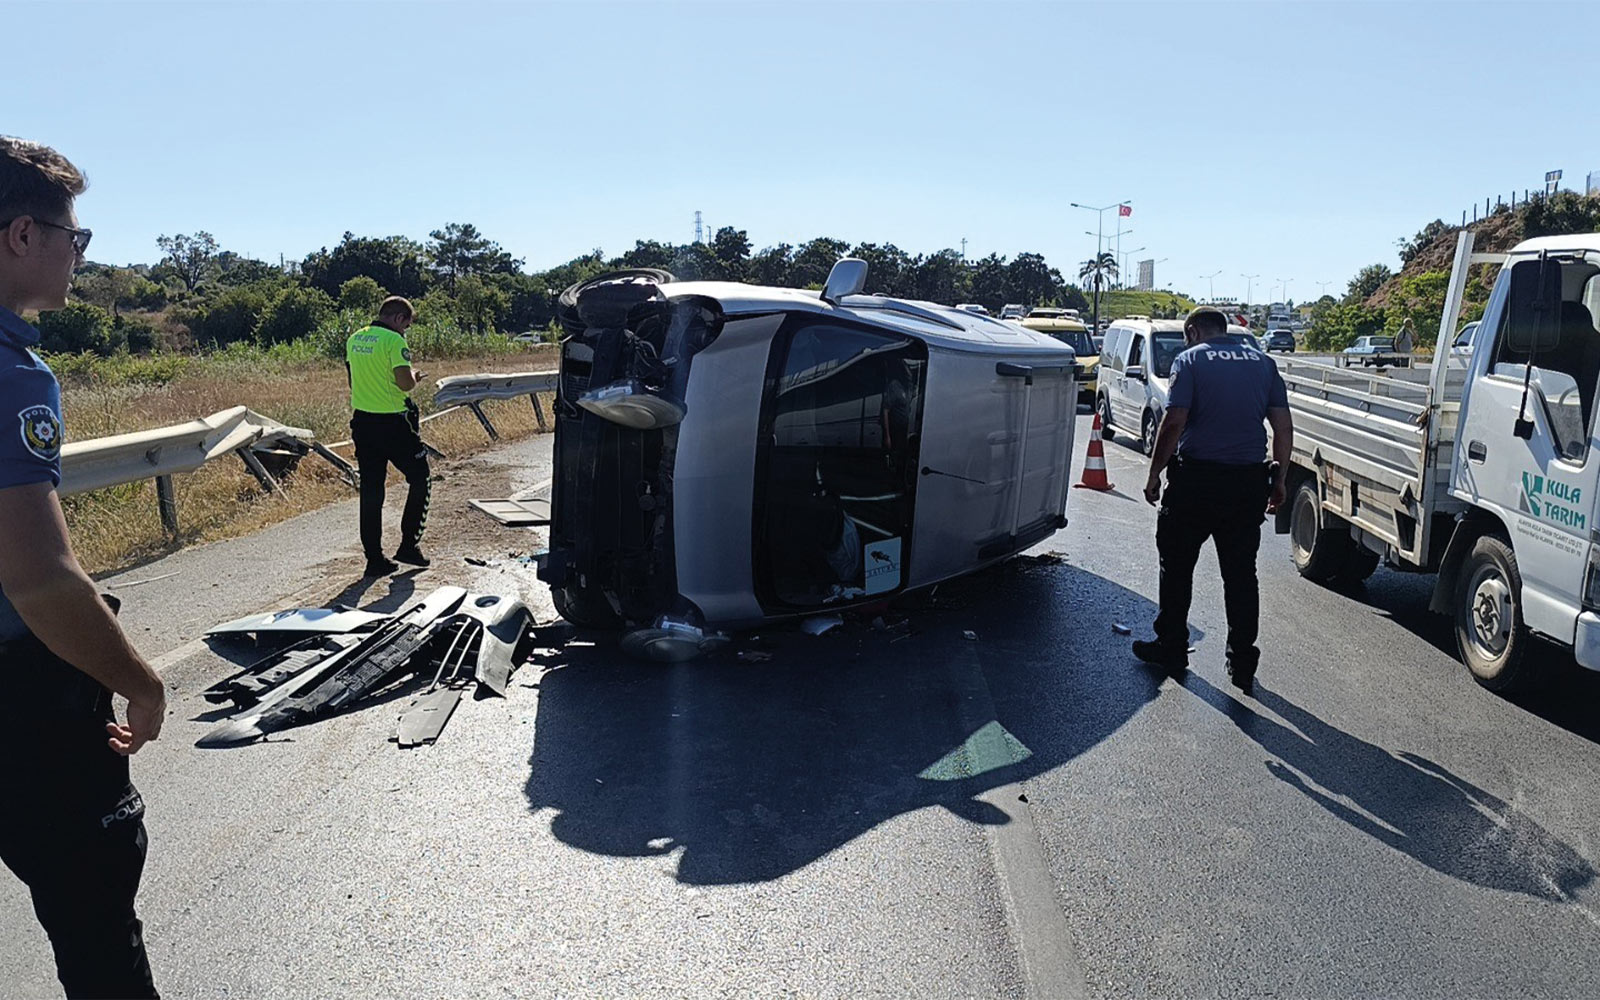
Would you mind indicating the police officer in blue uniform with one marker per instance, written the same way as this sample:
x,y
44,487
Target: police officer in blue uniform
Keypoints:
x,y
1213,446
72,828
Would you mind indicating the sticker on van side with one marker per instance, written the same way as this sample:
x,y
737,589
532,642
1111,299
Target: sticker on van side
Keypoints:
x,y
883,565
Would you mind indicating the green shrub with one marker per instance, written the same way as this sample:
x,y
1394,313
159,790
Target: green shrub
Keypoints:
x,y
294,313
231,318
79,327
361,294
138,333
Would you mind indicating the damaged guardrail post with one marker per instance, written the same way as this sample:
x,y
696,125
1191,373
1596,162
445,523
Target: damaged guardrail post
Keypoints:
x,y
167,502
477,411
538,411
258,470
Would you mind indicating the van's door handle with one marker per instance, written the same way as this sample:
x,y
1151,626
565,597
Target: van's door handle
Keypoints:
x,y
1477,451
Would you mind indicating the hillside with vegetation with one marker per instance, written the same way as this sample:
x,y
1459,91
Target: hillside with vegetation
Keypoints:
x,y
1378,300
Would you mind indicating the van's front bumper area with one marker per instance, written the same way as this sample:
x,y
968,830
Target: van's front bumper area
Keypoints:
x,y
1586,641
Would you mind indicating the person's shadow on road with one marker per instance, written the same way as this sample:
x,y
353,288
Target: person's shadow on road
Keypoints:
x,y
1413,804
755,769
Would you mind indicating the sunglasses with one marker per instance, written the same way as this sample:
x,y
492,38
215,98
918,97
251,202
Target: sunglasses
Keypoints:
x,y
80,237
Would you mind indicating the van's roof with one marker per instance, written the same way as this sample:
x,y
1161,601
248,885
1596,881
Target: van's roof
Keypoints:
x,y
957,329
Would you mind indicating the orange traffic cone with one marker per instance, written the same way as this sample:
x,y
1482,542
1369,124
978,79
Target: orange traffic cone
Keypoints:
x,y
1094,465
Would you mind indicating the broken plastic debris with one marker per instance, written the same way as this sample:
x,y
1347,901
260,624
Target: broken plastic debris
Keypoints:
x,y
753,656
1121,629
970,636
820,624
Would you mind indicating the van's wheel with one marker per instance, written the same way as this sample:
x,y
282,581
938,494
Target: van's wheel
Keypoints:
x,y
1359,564
1103,408
583,609
1147,434
1319,550
1489,629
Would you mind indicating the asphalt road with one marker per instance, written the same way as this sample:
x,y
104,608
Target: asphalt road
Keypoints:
x,y
906,812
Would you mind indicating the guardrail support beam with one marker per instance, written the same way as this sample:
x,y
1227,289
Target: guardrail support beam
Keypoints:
x,y
538,411
167,501
477,411
258,470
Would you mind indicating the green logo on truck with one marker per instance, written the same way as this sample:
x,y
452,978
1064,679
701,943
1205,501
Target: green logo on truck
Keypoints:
x,y
1552,500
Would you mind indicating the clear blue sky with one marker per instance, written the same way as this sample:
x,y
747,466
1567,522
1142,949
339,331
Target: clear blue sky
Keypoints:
x,y
1290,140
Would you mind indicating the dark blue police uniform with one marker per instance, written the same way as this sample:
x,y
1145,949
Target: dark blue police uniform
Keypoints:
x,y
73,827
1217,488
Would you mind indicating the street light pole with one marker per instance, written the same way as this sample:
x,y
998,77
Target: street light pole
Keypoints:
x,y
1211,280
1100,227
1123,266
1249,285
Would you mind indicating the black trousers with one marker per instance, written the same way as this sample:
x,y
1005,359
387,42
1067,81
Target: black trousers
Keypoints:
x,y
1225,503
382,440
73,828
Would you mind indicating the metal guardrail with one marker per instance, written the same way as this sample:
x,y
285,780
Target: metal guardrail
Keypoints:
x,y
164,452
472,390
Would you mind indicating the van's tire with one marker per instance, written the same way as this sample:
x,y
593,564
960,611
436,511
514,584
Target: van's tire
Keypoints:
x,y
583,609
1359,564
1490,633
1147,434
1319,550
1103,408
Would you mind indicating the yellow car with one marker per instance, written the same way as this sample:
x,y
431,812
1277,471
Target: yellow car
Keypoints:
x,y
1074,333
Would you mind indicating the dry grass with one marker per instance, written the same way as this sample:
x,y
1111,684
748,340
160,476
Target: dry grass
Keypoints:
x,y
119,526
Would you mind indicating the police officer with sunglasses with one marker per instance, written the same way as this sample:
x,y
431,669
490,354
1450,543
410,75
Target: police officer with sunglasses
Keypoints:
x,y
72,828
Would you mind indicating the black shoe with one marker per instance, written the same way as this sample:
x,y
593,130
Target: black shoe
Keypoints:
x,y
411,556
379,567
1158,654
1244,680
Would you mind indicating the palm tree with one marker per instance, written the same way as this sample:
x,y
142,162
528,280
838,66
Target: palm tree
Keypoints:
x,y
1097,269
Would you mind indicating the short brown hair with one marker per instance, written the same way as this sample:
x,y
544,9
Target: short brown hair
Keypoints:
x,y
395,307
36,180
1207,322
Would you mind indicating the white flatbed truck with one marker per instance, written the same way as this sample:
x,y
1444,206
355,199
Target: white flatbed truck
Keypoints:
x,y
1482,468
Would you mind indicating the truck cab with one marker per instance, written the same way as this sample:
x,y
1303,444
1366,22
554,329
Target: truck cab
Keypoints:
x,y
1480,467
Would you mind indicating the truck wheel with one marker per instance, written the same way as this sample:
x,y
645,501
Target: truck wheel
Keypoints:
x,y
1489,629
583,609
1359,564
1104,406
1147,434
1319,550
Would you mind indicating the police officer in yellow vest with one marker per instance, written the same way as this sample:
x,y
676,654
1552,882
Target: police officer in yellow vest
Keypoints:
x,y
385,429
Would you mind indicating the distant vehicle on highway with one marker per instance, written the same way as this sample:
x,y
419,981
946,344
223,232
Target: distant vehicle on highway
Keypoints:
x,y
1280,340
1072,332
1012,310
1131,393
1053,312
1372,351
974,308
1462,345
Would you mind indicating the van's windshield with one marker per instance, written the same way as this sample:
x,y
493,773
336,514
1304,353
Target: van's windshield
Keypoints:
x,y
1167,347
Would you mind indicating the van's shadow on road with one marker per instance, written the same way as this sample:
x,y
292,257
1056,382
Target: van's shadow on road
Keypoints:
x,y
753,770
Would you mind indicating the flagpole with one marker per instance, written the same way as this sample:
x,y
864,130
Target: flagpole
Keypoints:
x,y
1099,241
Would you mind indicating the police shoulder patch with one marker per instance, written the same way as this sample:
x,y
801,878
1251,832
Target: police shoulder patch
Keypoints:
x,y
405,352
41,432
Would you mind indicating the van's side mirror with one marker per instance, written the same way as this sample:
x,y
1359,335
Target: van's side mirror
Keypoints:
x,y
1135,372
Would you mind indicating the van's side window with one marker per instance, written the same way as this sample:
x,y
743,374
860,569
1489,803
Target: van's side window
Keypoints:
x,y
1136,351
1116,339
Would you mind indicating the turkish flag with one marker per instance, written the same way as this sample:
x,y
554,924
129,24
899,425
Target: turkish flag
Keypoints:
x,y
1124,210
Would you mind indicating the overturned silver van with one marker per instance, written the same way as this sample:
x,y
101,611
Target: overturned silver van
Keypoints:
x,y
729,454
